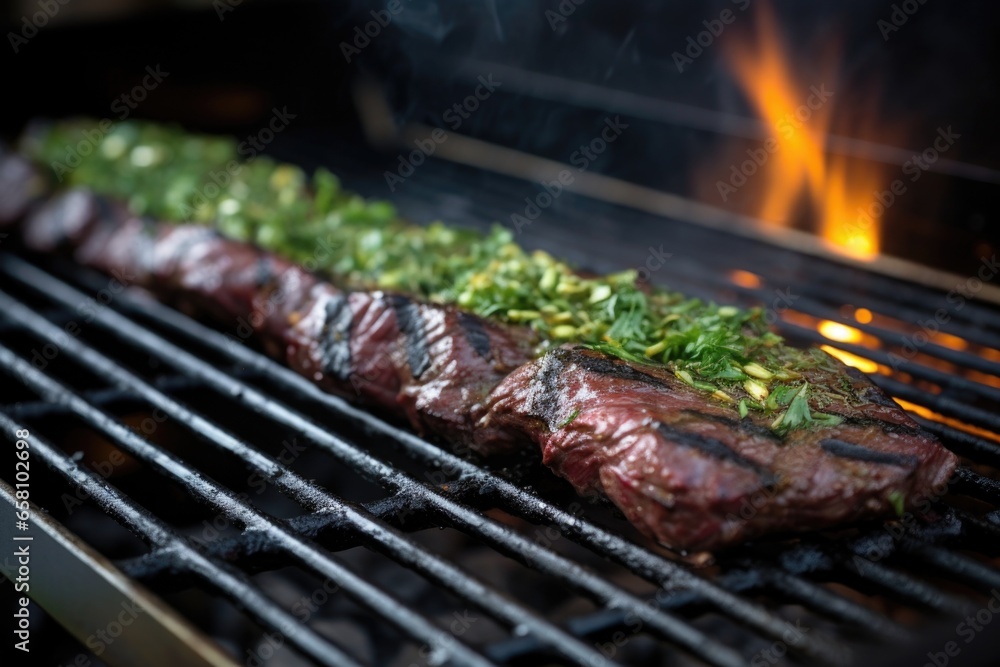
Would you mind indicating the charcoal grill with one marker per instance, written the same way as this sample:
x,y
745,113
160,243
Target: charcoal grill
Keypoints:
x,y
405,538
198,504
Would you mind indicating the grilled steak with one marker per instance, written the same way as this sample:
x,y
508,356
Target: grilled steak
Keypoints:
x,y
685,472
682,466
430,364
20,184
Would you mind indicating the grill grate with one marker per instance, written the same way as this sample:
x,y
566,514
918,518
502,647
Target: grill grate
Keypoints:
x,y
846,583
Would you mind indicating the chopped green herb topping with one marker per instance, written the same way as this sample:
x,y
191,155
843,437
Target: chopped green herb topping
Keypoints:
x,y
898,501
172,175
569,420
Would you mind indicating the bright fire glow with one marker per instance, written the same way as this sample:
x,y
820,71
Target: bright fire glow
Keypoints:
x,y
745,278
839,332
934,416
863,315
983,378
798,172
862,364
849,212
950,341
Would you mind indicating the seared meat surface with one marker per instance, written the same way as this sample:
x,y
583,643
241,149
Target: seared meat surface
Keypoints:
x,y
688,473
682,466
431,364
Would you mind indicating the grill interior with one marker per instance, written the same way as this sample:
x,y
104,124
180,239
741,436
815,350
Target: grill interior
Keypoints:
x,y
291,528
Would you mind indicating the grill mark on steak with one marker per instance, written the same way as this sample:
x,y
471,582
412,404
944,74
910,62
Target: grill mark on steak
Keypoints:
x,y
105,210
605,365
21,185
413,327
888,426
744,425
475,333
335,342
543,401
849,450
856,373
871,392
192,240
63,221
714,448
265,271
149,233
876,395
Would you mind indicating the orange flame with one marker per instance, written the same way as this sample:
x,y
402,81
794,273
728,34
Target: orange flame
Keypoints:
x,y
839,332
797,171
745,278
861,363
849,213
863,315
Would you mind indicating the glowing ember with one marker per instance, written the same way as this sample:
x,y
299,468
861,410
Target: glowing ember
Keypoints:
x,y
839,332
863,315
797,170
983,378
948,421
950,341
989,353
745,279
862,364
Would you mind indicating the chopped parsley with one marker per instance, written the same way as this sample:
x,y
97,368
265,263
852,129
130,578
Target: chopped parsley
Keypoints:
x,y
167,173
898,501
569,420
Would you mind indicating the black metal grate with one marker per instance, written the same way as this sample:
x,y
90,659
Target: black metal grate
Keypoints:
x,y
855,590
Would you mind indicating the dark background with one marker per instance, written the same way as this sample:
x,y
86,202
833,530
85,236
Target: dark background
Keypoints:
x,y
228,69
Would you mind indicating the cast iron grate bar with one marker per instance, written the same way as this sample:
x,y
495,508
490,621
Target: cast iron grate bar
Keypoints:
x,y
961,442
938,377
956,565
939,403
515,500
902,586
253,553
903,303
760,578
100,397
229,582
832,605
976,485
988,530
245,550
892,338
